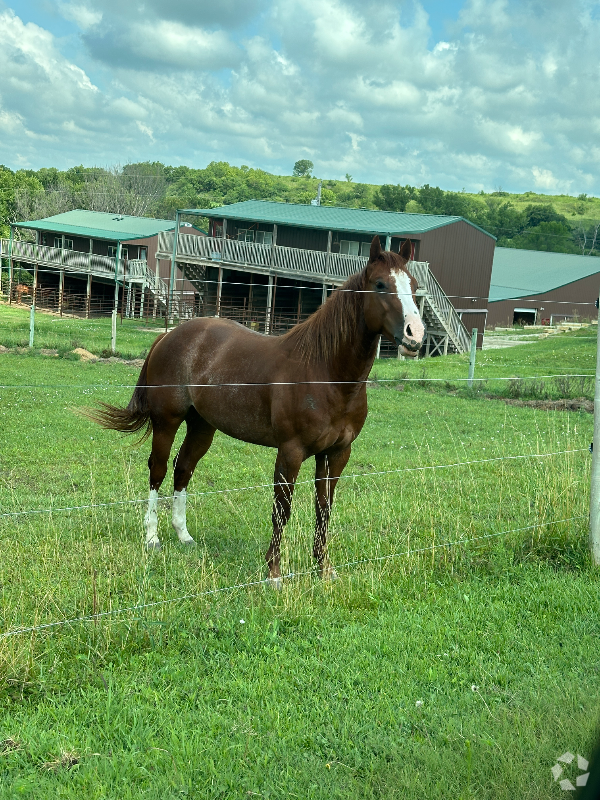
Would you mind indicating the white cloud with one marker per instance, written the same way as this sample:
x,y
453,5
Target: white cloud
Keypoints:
x,y
83,15
357,85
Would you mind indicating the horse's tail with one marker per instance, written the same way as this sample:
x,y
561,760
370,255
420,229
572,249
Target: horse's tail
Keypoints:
x,y
136,416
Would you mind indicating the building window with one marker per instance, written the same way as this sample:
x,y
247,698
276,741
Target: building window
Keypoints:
x,y
44,238
143,254
112,251
68,244
218,231
245,235
365,248
264,237
348,248
58,241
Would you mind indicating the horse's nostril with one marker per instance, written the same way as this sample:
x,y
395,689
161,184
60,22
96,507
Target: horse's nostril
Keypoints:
x,y
408,331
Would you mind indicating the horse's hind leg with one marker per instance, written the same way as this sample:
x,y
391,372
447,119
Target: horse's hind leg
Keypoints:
x,y
329,467
197,440
287,466
163,434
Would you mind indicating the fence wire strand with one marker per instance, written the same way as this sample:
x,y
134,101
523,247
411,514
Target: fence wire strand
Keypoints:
x,y
266,581
357,475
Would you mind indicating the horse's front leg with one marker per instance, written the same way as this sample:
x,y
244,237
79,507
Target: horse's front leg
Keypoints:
x,y
329,467
287,466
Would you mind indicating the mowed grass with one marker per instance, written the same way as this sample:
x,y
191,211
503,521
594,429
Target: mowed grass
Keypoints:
x,y
426,670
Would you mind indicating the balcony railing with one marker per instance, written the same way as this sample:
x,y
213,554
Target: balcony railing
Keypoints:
x,y
328,267
72,260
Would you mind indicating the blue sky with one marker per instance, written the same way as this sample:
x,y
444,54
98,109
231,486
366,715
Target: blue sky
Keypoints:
x,y
478,94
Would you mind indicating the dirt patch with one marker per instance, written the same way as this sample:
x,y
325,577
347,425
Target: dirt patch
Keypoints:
x,y
47,352
574,404
84,354
134,362
4,349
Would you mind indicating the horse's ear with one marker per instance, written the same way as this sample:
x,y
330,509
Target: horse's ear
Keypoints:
x,y
375,249
406,249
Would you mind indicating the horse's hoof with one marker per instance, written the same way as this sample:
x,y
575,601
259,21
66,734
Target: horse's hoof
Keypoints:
x,y
275,583
188,542
153,546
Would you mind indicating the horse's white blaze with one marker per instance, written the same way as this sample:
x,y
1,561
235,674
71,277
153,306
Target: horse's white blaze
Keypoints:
x,y
179,520
411,312
151,519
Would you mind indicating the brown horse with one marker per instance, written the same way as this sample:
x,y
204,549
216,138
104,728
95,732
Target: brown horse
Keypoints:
x,y
303,393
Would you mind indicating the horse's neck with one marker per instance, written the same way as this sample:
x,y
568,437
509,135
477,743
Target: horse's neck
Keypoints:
x,y
356,355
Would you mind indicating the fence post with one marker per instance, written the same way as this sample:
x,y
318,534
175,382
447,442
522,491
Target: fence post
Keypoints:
x,y
113,334
31,324
595,486
472,357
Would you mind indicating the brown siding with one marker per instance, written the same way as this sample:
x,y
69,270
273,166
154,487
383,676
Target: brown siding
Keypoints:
x,y
460,256
570,299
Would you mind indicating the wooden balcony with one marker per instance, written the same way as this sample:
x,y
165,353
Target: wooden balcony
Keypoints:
x,y
446,332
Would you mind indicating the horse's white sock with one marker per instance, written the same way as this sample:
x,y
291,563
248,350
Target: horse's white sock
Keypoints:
x,y
151,520
179,522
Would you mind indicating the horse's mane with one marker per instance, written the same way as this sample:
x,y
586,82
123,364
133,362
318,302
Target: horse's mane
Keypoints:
x,y
320,336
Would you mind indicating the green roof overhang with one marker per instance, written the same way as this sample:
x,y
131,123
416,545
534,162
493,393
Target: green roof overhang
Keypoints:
x,y
355,220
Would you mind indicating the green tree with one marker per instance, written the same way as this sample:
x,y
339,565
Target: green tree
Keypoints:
x,y
393,198
553,237
303,168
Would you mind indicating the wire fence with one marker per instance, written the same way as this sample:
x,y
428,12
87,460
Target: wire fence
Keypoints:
x,y
267,581
271,485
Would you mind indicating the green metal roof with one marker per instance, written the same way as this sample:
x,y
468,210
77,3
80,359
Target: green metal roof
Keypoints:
x,y
357,220
99,225
522,273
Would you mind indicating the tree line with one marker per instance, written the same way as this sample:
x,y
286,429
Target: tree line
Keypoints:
x,y
154,189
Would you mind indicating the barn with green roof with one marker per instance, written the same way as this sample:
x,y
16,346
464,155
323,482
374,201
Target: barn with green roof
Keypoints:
x,y
269,264
532,287
90,262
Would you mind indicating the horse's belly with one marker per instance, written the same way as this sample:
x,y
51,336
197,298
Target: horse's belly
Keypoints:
x,y
236,415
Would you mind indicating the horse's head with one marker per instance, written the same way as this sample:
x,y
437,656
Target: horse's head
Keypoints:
x,y
390,306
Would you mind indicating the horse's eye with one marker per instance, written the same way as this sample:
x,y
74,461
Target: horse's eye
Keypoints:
x,y
380,286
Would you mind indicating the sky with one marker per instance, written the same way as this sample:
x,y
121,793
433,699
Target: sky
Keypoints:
x,y
475,95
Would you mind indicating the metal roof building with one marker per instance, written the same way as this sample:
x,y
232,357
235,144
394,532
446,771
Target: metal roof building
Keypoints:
x,y
529,286
259,243
99,225
80,259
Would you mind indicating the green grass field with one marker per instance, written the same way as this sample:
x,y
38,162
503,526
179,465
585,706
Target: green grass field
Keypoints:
x,y
425,671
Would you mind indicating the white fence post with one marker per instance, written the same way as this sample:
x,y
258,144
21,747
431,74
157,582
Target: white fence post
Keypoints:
x,y
472,358
113,333
595,485
31,324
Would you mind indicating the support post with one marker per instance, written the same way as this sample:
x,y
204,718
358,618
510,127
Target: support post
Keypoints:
x,y
472,358
269,301
388,242
156,285
31,324
142,297
88,296
378,347
595,485
219,290
173,265
328,256
10,264
181,293
61,291
324,295
273,244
